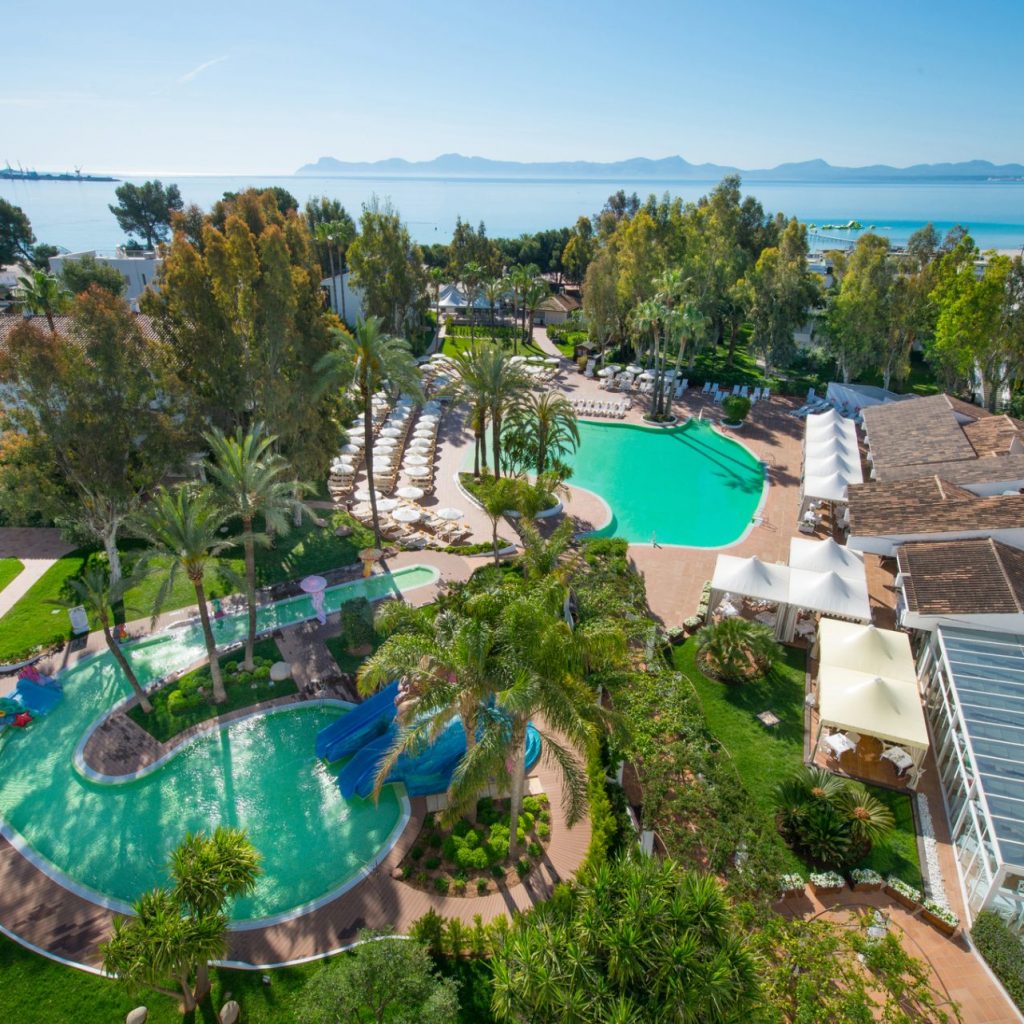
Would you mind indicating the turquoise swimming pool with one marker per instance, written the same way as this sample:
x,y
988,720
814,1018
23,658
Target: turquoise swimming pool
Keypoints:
x,y
113,838
686,485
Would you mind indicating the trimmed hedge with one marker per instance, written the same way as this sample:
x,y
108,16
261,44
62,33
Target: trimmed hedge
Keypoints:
x,y
1003,951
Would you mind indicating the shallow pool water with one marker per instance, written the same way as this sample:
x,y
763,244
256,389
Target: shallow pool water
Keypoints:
x,y
260,774
686,485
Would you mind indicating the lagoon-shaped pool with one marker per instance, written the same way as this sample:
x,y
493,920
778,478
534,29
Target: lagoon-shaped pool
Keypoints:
x,y
687,485
111,840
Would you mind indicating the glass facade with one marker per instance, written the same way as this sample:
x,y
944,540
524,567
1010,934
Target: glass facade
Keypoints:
x,y
974,698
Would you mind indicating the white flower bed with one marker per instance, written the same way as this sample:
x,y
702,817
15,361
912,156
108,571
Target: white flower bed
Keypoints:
x,y
942,912
932,870
790,883
827,880
908,891
865,876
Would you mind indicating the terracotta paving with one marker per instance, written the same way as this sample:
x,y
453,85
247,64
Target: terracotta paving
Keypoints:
x,y
958,972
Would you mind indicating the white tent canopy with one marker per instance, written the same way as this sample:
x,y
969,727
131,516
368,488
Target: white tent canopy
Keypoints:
x,y
867,686
825,556
830,594
868,649
750,577
826,488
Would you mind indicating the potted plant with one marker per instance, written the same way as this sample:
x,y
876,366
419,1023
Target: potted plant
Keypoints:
x,y
940,916
903,893
866,880
791,885
825,882
736,409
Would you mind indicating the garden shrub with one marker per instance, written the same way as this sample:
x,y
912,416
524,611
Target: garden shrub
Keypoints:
x,y
478,936
432,863
531,805
736,408
177,703
429,930
522,867
357,622
534,850
543,829
416,852
434,840
441,885
262,673
482,885
1002,952
459,886
231,667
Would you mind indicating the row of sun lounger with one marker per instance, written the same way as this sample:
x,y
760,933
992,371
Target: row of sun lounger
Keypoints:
x,y
612,410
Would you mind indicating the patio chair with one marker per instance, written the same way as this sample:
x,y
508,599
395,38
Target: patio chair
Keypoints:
x,y
755,395
735,389
707,388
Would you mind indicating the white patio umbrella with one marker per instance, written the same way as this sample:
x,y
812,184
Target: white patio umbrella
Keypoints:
x,y
432,407
424,434
415,460
388,505
634,369
608,371
407,514
428,419
448,512
363,494
390,432
417,472
359,440
553,362
349,449
410,493
420,444
341,464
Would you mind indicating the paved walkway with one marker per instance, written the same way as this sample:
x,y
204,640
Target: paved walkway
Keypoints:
x,y
958,972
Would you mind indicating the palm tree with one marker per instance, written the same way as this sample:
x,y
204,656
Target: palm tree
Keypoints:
x,y
437,278
494,288
448,666
547,556
646,322
324,235
491,385
160,943
520,278
368,361
98,592
182,528
736,650
549,662
342,234
252,482
44,294
472,275
546,426
534,293
498,495
210,871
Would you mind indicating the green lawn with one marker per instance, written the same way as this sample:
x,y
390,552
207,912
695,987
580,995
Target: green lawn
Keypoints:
x,y
40,991
32,623
764,757
163,723
338,646
9,568
459,339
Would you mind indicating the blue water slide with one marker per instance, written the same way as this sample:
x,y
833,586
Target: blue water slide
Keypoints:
x,y
363,723
429,771
36,699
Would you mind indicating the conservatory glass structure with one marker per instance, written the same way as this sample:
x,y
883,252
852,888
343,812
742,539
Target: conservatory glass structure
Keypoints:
x,y
974,697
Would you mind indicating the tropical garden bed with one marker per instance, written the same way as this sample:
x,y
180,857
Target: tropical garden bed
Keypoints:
x,y
186,702
766,757
471,859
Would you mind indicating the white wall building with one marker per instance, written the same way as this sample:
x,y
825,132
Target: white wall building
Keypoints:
x,y
344,297
138,269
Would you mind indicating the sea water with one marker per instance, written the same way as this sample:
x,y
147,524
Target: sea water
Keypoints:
x,y
75,215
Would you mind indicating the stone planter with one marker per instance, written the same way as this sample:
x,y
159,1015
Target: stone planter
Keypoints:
x,y
936,922
867,886
827,890
900,898
732,426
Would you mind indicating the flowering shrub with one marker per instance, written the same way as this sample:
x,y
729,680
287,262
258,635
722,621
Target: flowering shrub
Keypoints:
x,y
942,912
908,891
865,876
790,883
827,880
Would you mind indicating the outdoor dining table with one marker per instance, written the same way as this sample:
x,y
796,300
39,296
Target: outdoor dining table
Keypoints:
x,y
839,743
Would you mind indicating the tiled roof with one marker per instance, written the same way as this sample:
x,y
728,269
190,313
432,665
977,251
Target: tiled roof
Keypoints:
x,y
915,432
63,325
941,435
929,505
962,577
559,302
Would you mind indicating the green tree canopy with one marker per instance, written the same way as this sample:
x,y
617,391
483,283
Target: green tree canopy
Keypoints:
x,y
638,940
77,275
145,210
384,980
16,236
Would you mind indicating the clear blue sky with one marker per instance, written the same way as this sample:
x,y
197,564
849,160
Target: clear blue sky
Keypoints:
x,y
220,86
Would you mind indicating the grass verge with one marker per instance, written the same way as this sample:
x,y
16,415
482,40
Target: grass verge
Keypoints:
x,y
765,757
9,569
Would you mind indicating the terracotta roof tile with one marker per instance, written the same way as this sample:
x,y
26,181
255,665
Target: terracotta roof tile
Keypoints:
x,y
992,436
962,577
63,325
926,506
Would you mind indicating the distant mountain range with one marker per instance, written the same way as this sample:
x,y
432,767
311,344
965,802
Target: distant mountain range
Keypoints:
x,y
671,168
